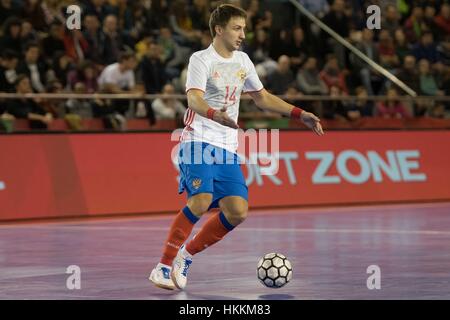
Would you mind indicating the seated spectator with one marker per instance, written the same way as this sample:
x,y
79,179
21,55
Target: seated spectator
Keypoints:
x,y
10,39
33,11
173,55
308,79
152,69
168,108
391,19
408,73
334,109
76,46
28,33
392,108
94,37
30,109
8,75
387,51
279,81
426,49
85,73
442,20
54,42
119,78
33,67
62,65
361,107
112,41
332,75
78,109
9,8
428,83
402,48
413,25
370,79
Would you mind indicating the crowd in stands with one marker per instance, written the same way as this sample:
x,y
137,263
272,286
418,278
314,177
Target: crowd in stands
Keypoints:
x,y
127,46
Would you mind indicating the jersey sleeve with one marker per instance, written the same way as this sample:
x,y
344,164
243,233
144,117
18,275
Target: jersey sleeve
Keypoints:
x,y
197,74
252,82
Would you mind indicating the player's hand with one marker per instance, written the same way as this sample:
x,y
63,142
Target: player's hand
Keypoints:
x,y
312,122
223,118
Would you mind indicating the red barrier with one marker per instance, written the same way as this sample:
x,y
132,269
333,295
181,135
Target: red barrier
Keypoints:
x,y
98,174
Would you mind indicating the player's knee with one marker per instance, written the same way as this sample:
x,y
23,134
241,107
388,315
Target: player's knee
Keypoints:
x,y
237,213
199,204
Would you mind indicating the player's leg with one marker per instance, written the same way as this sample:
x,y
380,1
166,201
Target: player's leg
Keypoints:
x,y
179,231
197,180
233,211
230,195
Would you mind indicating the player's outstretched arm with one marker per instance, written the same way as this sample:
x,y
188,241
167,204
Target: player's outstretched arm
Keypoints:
x,y
268,101
200,106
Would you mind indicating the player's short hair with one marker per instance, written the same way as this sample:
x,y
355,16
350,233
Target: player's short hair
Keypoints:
x,y
222,15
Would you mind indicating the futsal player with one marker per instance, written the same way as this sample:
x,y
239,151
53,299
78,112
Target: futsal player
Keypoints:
x,y
216,78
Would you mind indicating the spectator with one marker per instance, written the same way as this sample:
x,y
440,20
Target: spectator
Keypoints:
x,y
308,79
443,20
168,108
54,42
337,19
62,64
112,43
12,28
78,109
152,69
408,73
391,20
97,8
76,45
260,47
181,24
85,74
414,25
426,48
428,84
94,37
335,109
8,75
429,20
333,76
27,33
34,12
367,46
30,109
33,67
297,49
402,48
8,8
361,107
387,52
392,108
119,78
279,81
173,55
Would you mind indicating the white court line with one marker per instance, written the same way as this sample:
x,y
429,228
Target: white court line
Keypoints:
x,y
257,212
242,229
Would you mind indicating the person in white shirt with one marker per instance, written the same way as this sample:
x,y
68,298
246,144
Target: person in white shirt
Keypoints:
x,y
168,108
215,80
119,78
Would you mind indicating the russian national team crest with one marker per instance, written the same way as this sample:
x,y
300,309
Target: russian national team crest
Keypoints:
x,y
241,74
196,183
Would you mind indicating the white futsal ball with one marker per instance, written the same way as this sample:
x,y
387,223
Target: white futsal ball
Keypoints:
x,y
274,270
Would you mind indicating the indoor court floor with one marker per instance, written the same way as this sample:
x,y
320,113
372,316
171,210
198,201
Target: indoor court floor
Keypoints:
x,y
330,250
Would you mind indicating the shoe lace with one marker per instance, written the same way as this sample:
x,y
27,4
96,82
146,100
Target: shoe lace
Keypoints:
x,y
187,263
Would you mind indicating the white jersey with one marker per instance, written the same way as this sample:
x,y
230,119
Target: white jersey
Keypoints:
x,y
222,80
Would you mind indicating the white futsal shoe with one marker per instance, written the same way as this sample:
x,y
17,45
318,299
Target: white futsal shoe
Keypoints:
x,y
160,277
180,268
